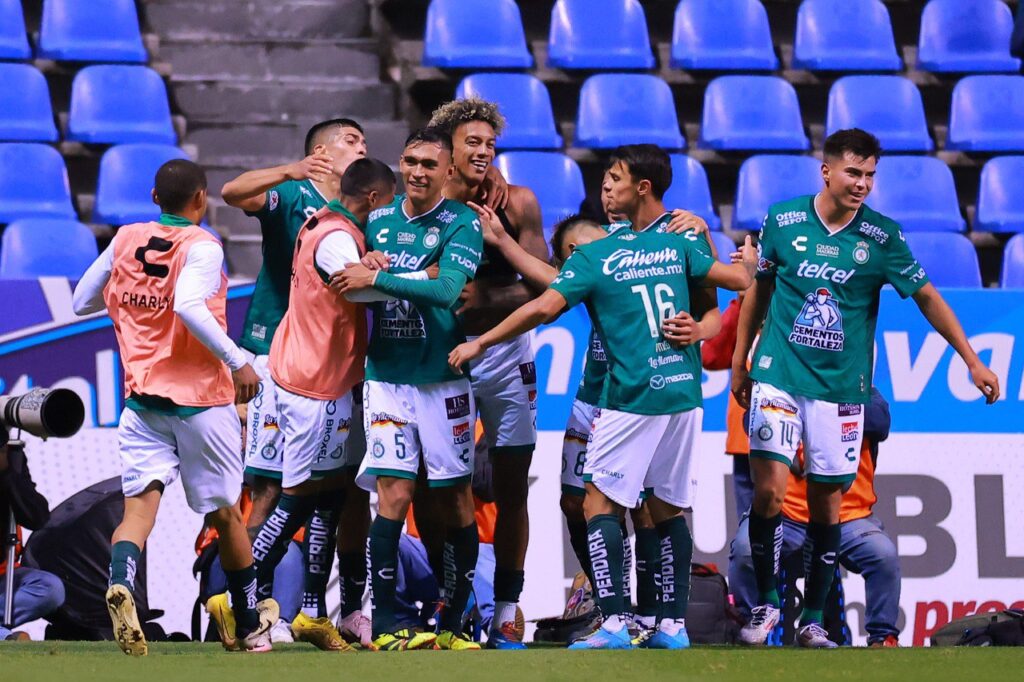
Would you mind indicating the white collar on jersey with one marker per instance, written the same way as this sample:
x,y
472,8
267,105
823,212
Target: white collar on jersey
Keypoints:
x,y
417,217
831,232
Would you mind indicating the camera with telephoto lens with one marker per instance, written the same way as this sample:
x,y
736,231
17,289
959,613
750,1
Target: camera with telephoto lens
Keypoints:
x,y
43,412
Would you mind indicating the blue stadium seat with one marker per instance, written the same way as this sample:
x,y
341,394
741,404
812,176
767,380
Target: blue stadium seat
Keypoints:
x,y
752,113
852,35
690,190
1013,264
619,108
599,34
1000,201
553,177
92,31
768,178
987,114
33,183
949,259
524,101
25,112
889,107
724,245
918,192
27,249
13,36
123,192
472,35
964,36
113,104
722,35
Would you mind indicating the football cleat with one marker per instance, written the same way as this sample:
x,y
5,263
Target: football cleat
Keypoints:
x,y
890,642
402,640
259,641
665,638
455,641
320,632
763,620
127,631
221,614
604,638
281,633
813,636
355,629
509,636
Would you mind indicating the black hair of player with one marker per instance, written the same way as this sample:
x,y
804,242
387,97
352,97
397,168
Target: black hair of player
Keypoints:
x,y
176,182
564,227
313,136
860,143
365,175
431,135
645,162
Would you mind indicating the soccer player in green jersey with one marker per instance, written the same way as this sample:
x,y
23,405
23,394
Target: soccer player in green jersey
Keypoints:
x,y
823,261
418,412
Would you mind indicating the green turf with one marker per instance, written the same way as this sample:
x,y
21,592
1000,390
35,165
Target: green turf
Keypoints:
x,y
74,661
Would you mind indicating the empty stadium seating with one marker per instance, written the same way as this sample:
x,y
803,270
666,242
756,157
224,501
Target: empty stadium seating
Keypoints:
x,y
752,113
91,31
1012,276
1000,199
765,179
463,34
962,36
599,34
524,101
27,249
13,37
113,104
987,114
33,183
949,259
553,177
25,113
851,35
889,107
611,113
722,35
918,192
123,192
690,190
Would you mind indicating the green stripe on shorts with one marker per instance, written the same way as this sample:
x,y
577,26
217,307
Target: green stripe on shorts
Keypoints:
x,y
264,473
449,482
573,490
823,478
391,473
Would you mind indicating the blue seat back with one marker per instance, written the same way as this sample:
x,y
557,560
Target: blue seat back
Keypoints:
x,y
766,179
13,36
987,114
966,36
752,113
918,192
25,112
618,108
33,183
599,34
463,34
553,177
722,34
949,259
1000,199
525,103
91,31
46,248
124,189
114,104
690,191
724,245
852,35
889,107
1013,263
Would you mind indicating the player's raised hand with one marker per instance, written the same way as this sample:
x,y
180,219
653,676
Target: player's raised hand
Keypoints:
x,y
494,188
246,382
463,353
741,385
314,167
684,221
681,330
376,260
490,225
986,381
747,255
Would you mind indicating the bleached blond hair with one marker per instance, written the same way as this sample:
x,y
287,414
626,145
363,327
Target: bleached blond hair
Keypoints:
x,y
451,115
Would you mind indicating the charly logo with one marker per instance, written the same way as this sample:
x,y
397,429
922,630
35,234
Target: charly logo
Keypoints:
x,y
820,323
861,253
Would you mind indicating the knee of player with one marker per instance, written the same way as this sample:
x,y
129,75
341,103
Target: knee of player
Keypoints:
x,y
572,507
768,498
225,517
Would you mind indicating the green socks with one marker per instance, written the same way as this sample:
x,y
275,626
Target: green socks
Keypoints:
x,y
383,549
648,571
124,563
765,549
318,546
461,549
242,588
578,540
676,553
821,551
352,580
604,540
271,541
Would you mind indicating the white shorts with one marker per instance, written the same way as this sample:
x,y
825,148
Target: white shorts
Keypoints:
x,y
634,453
578,434
264,444
314,432
505,390
404,422
203,448
831,432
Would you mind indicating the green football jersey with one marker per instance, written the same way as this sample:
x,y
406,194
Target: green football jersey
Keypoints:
x,y
630,283
819,334
409,344
286,208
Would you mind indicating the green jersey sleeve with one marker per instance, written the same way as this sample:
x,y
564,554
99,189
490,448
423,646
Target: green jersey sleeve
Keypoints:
x,y
902,270
464,248
277,202
576,279
698,257
766,248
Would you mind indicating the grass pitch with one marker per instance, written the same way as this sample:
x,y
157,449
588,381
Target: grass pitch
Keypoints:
x,y
193,662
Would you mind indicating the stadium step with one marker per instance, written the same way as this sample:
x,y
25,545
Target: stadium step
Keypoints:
x,y
296,19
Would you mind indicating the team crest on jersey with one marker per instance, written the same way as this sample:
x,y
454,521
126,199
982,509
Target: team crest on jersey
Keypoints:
x,y
270,423
269,453
457,406
274,199
765,433
377,449
820,323
461,434
432,237
861,253
446,217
